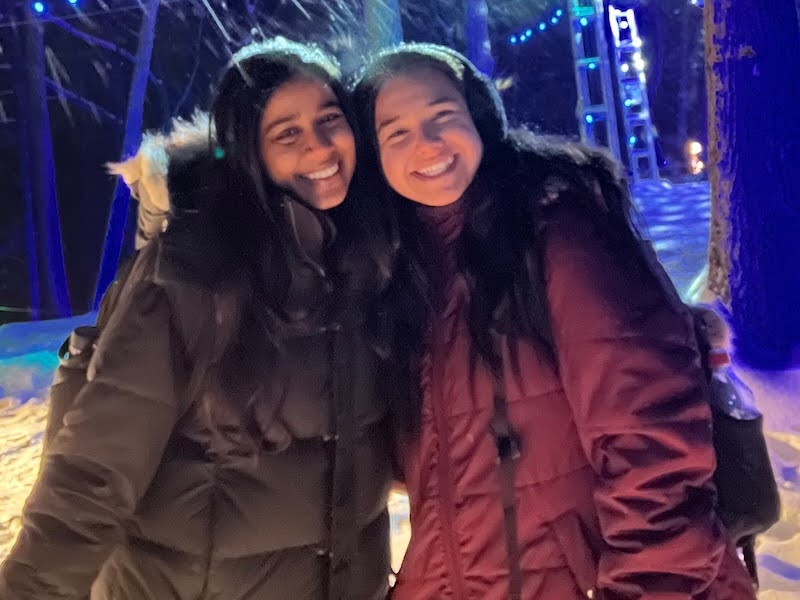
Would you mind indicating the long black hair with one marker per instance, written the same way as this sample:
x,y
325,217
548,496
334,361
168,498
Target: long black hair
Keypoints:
x,y
507,205
255,73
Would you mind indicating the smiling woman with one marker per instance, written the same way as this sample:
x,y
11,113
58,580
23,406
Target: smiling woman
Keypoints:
x,y
307,144
429,146
230,442
555,438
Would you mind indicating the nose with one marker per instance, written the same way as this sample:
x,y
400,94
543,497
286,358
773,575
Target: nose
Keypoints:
x,y
318,140
429,142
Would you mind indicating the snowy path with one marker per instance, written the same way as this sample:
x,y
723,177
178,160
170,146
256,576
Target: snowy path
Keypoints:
x,y
676,218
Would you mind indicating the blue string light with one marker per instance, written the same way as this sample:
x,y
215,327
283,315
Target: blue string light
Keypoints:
x,y
40,7
527,34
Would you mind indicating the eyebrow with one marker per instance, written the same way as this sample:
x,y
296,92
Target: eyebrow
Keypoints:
x,y
333,103
440,100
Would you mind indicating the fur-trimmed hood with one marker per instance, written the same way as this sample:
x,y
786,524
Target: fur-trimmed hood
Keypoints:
x,y
146,173
179,179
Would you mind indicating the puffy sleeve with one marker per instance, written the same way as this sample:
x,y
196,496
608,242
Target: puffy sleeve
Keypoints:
x,y
631,370
104,457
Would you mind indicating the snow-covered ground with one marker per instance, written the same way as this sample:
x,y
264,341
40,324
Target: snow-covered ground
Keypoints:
x,y
778,395
676,217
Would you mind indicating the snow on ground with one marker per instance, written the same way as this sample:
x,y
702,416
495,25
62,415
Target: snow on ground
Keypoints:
x,y
677,220
778,395
27,361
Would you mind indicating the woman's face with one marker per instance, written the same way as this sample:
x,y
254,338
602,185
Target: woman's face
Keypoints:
x,y
429,146
307,145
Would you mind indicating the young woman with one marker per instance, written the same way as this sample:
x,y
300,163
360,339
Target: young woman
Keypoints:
x,y
228,443
558,445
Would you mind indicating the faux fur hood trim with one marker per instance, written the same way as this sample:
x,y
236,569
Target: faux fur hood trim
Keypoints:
x,y
145,173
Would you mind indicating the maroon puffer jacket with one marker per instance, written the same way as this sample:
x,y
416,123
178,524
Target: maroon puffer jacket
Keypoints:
x,y
614,483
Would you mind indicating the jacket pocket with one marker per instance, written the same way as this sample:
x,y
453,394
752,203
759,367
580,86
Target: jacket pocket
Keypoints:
x,y
576,550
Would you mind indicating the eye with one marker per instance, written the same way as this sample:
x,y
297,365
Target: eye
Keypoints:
x,y
331,118
442,114
288,135
396,134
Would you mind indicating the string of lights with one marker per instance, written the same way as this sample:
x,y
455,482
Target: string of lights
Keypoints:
x,y
526,34
43,8
632,84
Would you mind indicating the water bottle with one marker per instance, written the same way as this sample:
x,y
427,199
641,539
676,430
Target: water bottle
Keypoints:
x,y
729,394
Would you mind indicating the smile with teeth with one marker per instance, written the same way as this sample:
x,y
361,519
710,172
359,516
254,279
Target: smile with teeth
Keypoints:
x,y
437,169
323,173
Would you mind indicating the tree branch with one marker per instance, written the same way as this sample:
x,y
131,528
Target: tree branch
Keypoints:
x,y
81,101
96,41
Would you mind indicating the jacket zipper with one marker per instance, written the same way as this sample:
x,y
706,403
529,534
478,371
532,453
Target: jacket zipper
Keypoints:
x,y
446,491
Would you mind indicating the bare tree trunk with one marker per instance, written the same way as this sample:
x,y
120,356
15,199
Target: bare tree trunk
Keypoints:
x,y
479,46
49,294
719,265
118,215
384,28
752,62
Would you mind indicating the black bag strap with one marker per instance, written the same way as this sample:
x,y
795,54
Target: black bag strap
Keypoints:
x,y
508,451
748,546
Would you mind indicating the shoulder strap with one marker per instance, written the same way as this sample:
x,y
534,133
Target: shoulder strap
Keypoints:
x,y
508,451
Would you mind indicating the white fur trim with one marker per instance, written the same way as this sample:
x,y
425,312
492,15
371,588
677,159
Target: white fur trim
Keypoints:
x,y
145,173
